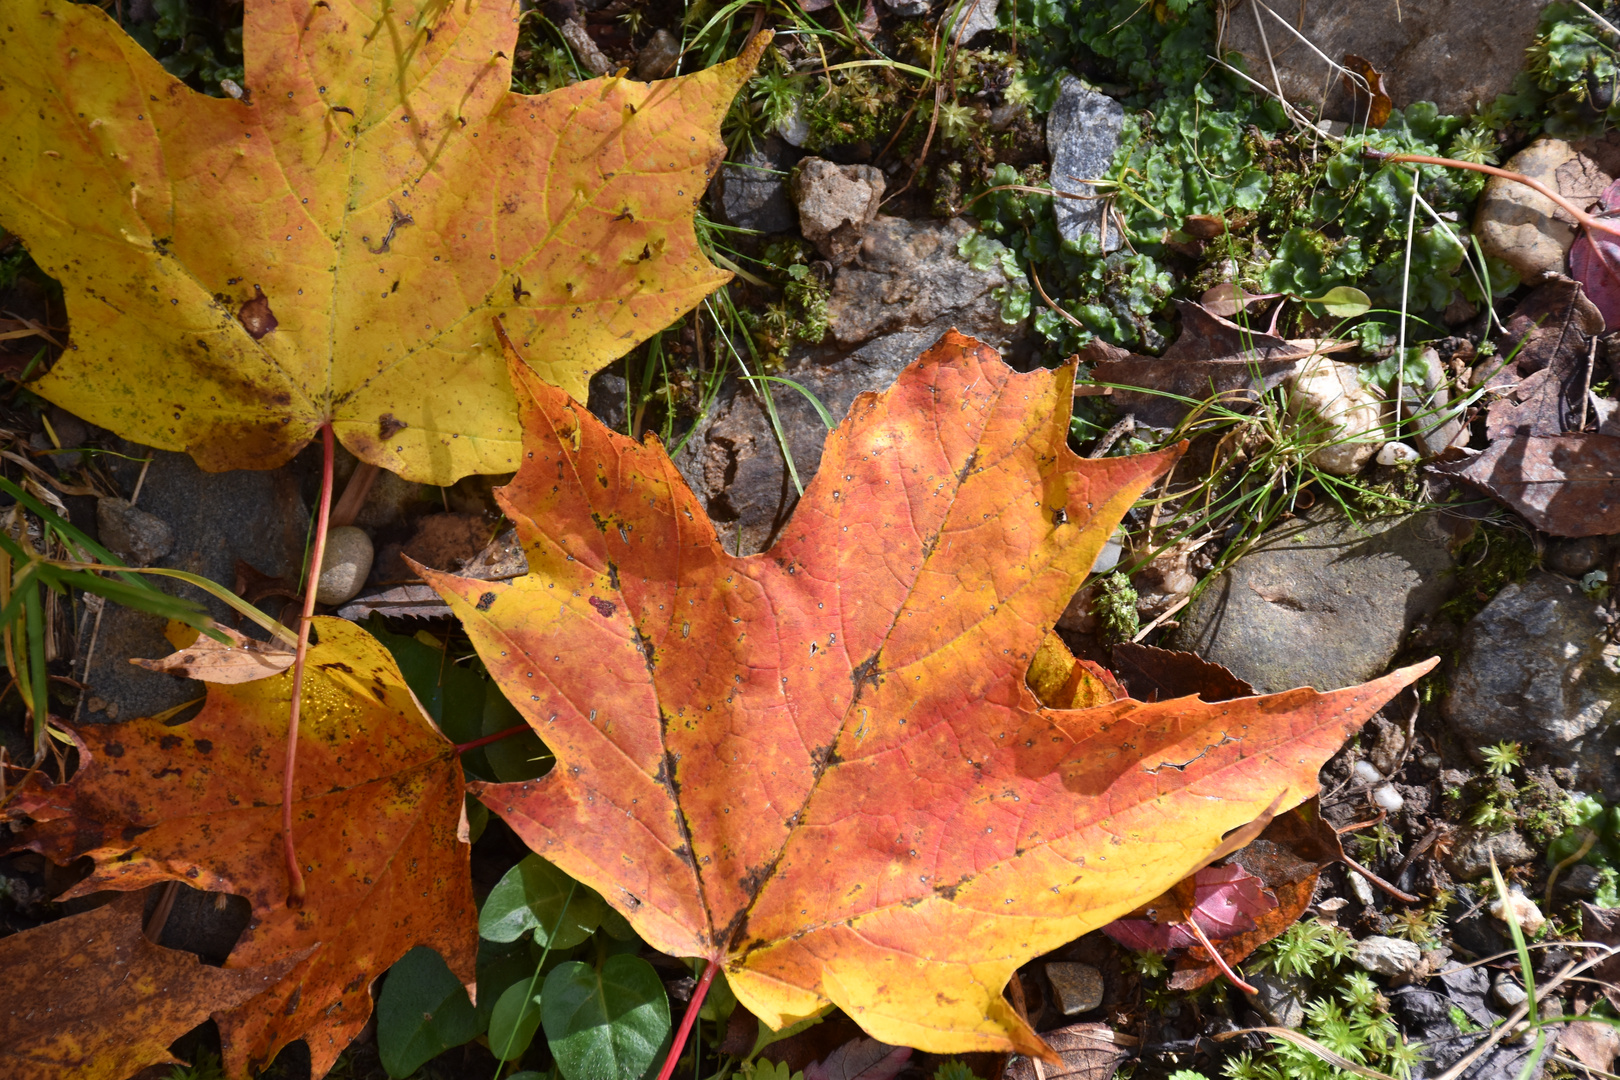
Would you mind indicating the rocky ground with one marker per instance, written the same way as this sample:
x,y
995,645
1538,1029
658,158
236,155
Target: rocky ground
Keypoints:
x,y
1421,523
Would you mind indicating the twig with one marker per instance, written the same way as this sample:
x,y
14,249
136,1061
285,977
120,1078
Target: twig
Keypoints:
x,y
1576,856
1126,426
1586,384
160,914
354,494
1156,623
1038,288
295,876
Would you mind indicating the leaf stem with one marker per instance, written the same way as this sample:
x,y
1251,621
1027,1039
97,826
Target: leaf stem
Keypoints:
x,y
295,876
516,729
1589,222
692,1009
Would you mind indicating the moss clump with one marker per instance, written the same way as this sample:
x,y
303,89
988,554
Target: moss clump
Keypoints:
x,y
1115,608
1491,559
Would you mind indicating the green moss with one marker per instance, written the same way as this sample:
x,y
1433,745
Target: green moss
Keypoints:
x,y
1115,608
1491,559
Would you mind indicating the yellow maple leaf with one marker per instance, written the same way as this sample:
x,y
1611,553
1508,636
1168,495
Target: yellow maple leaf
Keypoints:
x,y
333,246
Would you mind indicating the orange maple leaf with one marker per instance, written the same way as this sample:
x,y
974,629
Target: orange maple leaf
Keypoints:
x,y
329,248
821,766
377,816
68,977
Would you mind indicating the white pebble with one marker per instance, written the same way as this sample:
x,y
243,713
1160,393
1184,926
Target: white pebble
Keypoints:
x,y
1366,772
1525,912
1396,453
345,565
1385,797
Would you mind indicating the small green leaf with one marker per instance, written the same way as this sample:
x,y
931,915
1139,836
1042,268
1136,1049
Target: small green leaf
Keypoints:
x,y
513,1021
423,1011
534,895
766,1036
1342,301
608,1024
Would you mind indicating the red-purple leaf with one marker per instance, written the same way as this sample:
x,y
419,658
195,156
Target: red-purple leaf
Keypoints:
x,y
1225,901
1596,269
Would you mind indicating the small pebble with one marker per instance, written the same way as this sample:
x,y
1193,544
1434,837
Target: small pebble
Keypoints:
x,y
1525,911
1361,887
1385,797
1366,772
1507,992
1396,453
1079,987
345,565
1387,955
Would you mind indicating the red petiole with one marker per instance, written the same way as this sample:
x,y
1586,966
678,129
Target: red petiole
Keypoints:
x,y
692,1008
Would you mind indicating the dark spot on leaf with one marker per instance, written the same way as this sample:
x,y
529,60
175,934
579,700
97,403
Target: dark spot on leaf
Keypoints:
x,y
170,742
255,315
115,749
485,601
389,425
604,608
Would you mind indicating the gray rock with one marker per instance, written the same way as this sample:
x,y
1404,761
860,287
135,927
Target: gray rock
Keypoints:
x,y
1581,880
1280,998
1079,987
1470,855
1536,667
836,203
909,275
906,287
969,19
752,189
1321,601
139,538
1524,228
1082,133
1507,993
344,565
657,58
1387,955
218,520
1576,556
1458,54
908,9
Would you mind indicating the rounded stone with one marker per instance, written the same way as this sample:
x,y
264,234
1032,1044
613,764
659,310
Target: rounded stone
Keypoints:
x,y
1346,418
345,565
1576,556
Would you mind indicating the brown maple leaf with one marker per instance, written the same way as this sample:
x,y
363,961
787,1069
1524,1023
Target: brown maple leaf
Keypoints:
x,y
329,246
821,766
377,816
93,999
